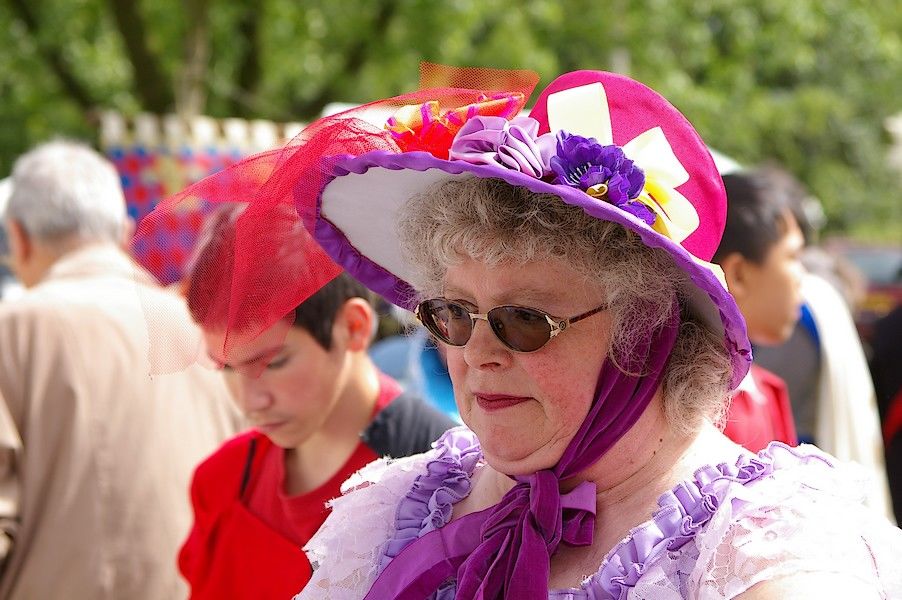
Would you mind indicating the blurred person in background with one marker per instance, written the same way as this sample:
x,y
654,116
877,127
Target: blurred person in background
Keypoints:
x,y
417,361
320,409
9,287
797,360
759,254
96,454
886,367
823,362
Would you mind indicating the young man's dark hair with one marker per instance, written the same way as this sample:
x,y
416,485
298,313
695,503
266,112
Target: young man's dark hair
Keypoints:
x,y
317,313
758,203
210,269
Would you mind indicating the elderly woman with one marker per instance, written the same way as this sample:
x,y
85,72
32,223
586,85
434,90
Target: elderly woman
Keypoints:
x,y
561,258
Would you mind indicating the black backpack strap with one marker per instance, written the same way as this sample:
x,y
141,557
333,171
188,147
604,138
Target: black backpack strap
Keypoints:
x,y
405,427
248,464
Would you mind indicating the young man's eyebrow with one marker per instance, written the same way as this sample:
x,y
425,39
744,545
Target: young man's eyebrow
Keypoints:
x,y
268,353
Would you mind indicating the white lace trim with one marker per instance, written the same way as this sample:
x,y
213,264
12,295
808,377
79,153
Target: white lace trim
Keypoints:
x,y
798,520
345,551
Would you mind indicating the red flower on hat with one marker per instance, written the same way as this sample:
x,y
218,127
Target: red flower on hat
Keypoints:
x,y
426,127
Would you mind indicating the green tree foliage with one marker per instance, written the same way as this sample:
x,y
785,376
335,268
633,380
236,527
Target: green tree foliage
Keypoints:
x,y
807,83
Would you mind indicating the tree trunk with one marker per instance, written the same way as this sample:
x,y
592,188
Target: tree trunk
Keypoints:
x,y
354,59
152,87
249,70
191,92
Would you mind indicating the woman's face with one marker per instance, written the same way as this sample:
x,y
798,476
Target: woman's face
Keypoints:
x,y
526,407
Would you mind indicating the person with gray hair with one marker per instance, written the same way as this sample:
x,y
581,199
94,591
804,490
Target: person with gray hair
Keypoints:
x,y
95,455
65,196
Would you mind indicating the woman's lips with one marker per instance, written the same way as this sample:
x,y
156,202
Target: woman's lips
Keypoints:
x,y
491,402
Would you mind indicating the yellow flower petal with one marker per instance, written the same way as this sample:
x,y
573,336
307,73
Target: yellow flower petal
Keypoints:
x,y
677,218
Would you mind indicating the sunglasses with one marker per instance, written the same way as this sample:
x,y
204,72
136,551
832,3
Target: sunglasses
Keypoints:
x,y
519,328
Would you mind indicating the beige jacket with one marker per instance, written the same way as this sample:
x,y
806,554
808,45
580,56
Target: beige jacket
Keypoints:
x,y
96,454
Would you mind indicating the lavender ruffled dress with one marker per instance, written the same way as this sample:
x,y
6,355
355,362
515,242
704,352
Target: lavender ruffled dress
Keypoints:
x,y
782,511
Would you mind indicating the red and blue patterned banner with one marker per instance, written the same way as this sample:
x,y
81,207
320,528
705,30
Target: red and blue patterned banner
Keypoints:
x,y
159,157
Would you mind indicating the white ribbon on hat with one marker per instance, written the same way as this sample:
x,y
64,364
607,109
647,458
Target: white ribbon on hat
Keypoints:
x,y
584,111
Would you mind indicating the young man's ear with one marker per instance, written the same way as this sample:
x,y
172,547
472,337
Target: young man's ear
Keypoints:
x,y
358,319
736,272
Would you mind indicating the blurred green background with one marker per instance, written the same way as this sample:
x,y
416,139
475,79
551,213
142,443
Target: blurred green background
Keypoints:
x,y
809,83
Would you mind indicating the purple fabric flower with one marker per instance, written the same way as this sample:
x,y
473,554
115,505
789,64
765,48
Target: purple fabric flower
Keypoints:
x,y
601,171
513,144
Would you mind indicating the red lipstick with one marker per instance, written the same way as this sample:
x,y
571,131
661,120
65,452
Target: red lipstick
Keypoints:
x,y
491,402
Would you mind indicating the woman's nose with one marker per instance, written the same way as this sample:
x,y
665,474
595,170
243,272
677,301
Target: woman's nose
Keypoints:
x,y
484,350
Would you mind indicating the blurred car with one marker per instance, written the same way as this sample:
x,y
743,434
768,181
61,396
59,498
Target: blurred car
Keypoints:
x,y
882,270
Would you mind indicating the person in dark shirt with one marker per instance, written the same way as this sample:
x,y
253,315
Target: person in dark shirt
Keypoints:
x,y
886,369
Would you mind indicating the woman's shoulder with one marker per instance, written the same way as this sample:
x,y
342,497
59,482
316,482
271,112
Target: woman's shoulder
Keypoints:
x,y
455,449
406,487
776,514
805,514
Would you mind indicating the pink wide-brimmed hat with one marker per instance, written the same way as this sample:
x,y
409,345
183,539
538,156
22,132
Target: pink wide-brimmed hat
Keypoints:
x,y
597,140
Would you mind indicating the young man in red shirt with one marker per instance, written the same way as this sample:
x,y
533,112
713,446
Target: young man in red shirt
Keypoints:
x,y
760,255
320,410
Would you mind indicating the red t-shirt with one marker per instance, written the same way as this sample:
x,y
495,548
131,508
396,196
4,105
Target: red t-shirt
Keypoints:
x,y
298,517
760,412
250,546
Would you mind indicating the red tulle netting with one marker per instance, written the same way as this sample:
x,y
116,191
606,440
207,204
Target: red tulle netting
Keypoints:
x,y
268,263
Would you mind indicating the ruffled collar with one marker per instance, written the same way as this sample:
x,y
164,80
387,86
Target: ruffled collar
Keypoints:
x,y
447,481
682,512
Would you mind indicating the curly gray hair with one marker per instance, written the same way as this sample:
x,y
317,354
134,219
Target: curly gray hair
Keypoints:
x,y
497,223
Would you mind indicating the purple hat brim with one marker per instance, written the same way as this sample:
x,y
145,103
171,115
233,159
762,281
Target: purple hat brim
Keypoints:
x,y
357,215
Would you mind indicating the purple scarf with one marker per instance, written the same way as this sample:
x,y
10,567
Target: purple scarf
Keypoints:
x,y
503,552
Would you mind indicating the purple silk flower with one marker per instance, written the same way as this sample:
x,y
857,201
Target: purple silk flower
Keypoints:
x,y
584,163
513,144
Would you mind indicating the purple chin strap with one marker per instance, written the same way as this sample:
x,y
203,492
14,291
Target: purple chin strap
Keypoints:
x,y
503,552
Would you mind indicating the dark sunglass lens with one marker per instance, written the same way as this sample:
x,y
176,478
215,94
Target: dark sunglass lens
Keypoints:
x,y
522,329
449,321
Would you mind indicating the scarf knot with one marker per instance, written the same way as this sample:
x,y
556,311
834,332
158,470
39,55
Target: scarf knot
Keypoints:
x,y
535,517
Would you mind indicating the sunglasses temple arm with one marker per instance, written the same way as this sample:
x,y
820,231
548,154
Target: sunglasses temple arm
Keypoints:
x,y
586,315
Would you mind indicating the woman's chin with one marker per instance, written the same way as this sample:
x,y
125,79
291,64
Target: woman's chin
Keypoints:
x,y
513,443
514,457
